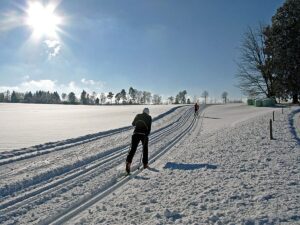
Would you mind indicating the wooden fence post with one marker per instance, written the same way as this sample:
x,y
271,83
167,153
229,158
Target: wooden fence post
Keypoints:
x,y
271,130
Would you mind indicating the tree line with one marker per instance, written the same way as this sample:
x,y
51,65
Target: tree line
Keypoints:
x,y
269,64
133,96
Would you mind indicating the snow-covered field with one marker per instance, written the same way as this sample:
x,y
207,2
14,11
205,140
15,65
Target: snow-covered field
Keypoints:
x,y
221,168
24,125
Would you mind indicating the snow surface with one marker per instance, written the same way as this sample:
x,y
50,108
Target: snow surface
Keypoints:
x,y
25,125
223,171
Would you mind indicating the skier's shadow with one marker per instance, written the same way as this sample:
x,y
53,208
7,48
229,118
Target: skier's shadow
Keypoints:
x,y
137,177
188,166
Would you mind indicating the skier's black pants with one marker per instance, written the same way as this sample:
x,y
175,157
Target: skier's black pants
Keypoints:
x,y
136,138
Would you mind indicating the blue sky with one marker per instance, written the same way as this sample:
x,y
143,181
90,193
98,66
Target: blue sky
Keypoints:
x,y
162,46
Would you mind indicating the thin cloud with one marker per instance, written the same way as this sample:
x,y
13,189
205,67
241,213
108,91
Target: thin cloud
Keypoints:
x,y
92,83
53,48
10,20
53,85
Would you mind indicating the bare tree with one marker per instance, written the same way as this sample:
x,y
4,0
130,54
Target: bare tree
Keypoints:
x,y
171,99
156,99
224,96
255,67
102,98
139,97
205,95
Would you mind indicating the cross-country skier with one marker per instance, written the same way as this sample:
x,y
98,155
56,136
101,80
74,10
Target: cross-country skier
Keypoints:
x,y
196,107
142,123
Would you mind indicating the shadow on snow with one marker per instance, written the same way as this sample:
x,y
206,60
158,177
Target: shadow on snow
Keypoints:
x,y
188,166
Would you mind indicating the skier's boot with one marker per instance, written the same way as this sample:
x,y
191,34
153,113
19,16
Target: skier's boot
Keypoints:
x,y
128,167
146,166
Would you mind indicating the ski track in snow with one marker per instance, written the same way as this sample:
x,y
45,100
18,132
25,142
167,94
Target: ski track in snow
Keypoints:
x,y
29,174
225,171
235,175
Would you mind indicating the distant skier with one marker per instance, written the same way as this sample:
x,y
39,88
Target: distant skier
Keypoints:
x,y
142,123
196,108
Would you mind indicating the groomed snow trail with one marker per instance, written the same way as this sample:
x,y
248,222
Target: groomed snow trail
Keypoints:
x,y
39,188
233,175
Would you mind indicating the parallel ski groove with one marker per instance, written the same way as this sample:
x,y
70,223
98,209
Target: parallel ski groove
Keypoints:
x,y
69,213
103,161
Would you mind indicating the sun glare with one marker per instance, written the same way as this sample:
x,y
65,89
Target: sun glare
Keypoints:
x,y
43,20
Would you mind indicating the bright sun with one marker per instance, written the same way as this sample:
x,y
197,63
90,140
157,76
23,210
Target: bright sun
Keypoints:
x,y
43,20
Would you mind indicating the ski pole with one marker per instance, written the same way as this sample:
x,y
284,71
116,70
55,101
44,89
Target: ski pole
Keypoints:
x,y
140,160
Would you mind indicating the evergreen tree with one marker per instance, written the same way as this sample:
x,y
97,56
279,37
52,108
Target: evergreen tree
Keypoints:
x,y
28,98
14,97
1,97
84,98
72,98
55,98
284,35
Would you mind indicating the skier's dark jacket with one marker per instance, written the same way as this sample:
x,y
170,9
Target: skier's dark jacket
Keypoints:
x,y
142,123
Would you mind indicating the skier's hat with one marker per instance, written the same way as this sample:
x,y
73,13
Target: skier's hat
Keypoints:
x,y
146,110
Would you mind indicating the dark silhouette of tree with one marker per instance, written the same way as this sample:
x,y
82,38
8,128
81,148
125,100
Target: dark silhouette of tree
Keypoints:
x,y
284,44
55,98
117,98
123,96
72,98
84,98
180,97
97,101
14,97
1,97
133,94
28,98
110,96
224,96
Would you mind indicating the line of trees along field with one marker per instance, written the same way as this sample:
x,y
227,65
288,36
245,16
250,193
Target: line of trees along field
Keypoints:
x,y
133,96
270,56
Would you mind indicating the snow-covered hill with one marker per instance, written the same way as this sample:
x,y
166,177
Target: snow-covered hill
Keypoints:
x,y
25,125
220,168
